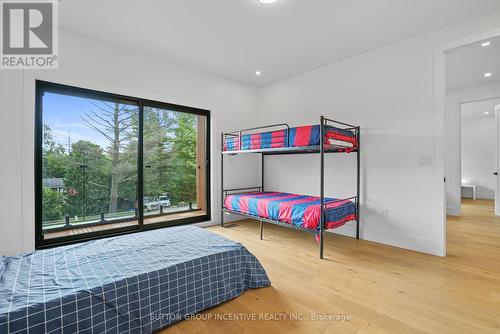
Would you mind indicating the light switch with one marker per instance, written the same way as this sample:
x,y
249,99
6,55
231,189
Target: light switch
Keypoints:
x,y
425,161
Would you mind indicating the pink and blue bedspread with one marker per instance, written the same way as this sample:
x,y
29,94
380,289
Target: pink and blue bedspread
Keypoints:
x,y
308,135
299,210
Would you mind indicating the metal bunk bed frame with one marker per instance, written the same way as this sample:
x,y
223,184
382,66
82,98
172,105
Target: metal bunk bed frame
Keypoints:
x,y
322,149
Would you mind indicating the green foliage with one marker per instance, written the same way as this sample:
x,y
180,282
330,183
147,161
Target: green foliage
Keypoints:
x,y
157,151
185,140
88,173
48,142
170,154
184,148
55,165
54,159
53,205
100,179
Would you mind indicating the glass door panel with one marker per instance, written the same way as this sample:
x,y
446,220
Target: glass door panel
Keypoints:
x,y
174,165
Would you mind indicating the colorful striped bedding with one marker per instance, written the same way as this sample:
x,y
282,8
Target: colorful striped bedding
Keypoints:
x,y
300,136
299,210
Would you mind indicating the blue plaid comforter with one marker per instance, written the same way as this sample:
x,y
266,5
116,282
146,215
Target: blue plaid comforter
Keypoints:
x,y
136,283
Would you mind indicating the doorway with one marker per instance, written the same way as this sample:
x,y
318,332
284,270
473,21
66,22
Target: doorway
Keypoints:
x,y
478,136
471,94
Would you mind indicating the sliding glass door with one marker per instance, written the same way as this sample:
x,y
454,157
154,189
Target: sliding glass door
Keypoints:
x,y
108,164
174,164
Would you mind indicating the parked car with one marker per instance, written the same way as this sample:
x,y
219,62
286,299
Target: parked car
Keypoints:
x,y
164,200
151,204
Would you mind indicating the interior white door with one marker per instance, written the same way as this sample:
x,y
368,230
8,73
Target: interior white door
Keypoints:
x,y
497,144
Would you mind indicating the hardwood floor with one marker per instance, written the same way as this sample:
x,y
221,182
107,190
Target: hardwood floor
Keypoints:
x,y
382,289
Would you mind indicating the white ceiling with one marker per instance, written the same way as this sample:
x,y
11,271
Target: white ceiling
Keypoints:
x,y
235,38
465,67
474,112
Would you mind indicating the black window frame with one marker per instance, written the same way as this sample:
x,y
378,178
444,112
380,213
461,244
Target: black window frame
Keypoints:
x,y
44,86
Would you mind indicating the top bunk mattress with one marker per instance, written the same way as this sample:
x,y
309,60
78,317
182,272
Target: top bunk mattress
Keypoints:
x,y
301,136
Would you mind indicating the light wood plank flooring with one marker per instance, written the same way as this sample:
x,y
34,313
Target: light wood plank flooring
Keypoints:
x,y
382,289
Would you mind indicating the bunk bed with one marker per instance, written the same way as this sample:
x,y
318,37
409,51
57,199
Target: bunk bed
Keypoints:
x,y
313,214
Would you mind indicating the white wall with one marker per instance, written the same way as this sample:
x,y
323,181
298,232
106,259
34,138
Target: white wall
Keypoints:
x,y
390,93
92,64
454,99
478,153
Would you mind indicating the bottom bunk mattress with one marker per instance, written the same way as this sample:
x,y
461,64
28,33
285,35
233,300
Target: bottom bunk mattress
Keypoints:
x,y
299,210
137,283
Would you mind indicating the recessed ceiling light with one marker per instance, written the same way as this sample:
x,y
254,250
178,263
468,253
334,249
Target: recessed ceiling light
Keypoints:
x,y
258,73
268,1
488,74
485,44
486,112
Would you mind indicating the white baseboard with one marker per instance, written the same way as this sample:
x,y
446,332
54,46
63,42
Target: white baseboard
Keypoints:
x,y
453,211
490,196
481,194
206,224
9,252
375,235
389,238
400,240
227,219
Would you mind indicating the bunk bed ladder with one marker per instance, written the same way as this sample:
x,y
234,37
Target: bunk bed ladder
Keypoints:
x,y
261,227
358,179
222,180
322,185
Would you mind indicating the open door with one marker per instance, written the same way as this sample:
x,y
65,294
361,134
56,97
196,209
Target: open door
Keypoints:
x,y
497,144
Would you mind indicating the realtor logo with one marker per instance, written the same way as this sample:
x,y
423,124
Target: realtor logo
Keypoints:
x,y
29,34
